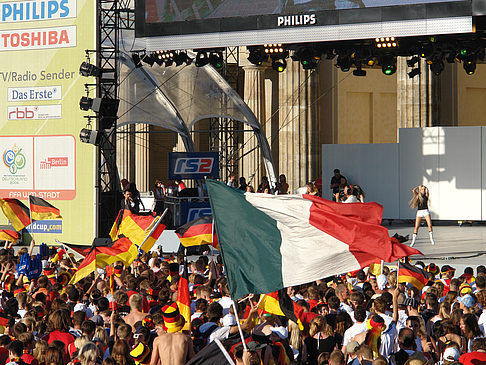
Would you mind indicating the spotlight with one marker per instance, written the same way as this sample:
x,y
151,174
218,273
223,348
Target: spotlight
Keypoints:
x,y
386,42
414,72
106,108
469,65
413,61
87,69
344,63
136,60
308,57
371,61
89,136
85,103
149,59
274,49
426,51
359,71
257,56
169,62
182,57
388,65
437,66
202,59
279,64
216,59
389,69
451,57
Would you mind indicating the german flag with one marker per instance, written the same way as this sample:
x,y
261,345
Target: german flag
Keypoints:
x,y
198,232
280,304
59,255
412,274
16,212
40,209
142,230
106,253
83,250
8,235
184,298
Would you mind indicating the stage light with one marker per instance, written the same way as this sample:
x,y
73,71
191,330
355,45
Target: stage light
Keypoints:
x,y
274,49
388,65
85,103
386,42
463,52
371,61
202,59
149,59
359,71
182,57
216,59
87,69
89,136
308,57
257,56
451,57
279,64
106,108
136,60
426,51
469,65
414,72
437,66
344,63
169,62
389,69
413,61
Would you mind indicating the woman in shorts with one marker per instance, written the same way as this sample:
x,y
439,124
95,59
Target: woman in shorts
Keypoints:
x,y
420,200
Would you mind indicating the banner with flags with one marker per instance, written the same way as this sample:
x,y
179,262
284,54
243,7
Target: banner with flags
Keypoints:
x,y
42,210
198,232
142,230
8,235
184,298
106,253
412,274
280,304
271,242
16,212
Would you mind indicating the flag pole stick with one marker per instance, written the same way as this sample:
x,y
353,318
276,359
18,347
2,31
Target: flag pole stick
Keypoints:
x,y
155,226
239,325
223,350
382,262
398,272
31,225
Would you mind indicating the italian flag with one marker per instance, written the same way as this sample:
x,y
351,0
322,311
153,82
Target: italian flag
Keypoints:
x,y
270,242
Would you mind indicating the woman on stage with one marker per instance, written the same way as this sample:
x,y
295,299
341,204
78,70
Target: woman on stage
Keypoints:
x,y
420,200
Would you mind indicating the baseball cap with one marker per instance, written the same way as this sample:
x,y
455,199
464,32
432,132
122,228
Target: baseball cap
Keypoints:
x,y
382,280
281,332
468,300
447,268
451,354
351,347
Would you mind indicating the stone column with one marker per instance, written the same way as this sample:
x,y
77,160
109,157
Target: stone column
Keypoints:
x,y
254,95
416,97
142,157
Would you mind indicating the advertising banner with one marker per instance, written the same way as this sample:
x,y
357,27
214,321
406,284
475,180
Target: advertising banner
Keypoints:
x,y
194,210
42,43
193,165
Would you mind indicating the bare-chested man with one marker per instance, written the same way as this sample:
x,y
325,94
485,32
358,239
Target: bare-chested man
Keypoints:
x,y
171,347
135,317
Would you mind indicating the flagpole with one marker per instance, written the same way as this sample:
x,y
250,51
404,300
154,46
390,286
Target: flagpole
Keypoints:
x,y
223,350
155,226
31,225
398,272
382,262
239,325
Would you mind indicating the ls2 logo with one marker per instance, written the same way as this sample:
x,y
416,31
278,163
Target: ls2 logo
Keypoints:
x,y
195,213
193,165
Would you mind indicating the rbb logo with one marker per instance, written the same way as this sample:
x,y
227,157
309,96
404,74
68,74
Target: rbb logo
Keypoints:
x,y
21,113
195,213
191,165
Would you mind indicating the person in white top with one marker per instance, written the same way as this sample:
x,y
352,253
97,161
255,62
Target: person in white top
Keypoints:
x,y
355,329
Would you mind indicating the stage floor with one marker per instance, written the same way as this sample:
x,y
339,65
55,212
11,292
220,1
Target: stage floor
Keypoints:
x,y
454,245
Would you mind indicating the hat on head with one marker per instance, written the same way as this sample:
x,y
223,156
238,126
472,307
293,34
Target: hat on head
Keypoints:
x,y
281,332
140,353
64,278
465,288
229,320
432,268
411,302
447,268
351,347
173,321
468,300
381,280
451,354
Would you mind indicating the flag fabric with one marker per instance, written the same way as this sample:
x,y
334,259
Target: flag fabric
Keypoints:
x,y
270,242
184,298
107,253
8,235
59,255
16,212
40,209
280,304
412,274
138,228
198,232
82,250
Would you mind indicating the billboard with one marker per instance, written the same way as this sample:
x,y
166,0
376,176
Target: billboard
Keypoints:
x,y
193,165
179,24
42,44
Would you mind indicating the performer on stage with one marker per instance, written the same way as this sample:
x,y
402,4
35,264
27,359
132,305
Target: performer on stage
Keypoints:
x,y
420,200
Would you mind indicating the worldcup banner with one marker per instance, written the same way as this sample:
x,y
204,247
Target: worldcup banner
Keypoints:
x,y
42,44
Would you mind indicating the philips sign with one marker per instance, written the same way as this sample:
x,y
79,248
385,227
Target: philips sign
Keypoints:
x,y
193,165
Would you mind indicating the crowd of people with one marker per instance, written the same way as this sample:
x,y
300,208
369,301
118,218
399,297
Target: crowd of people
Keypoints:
x,y
132,317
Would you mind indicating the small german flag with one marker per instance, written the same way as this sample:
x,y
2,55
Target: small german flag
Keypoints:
x,y
198,232
184,298
40,209
280,304
414,275
16,212
8,235
83,250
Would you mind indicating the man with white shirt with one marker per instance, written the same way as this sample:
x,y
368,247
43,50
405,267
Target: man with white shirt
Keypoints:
x,y
389,334
358,327
342,292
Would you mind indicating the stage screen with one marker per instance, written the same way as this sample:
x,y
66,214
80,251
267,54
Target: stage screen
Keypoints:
x,y
178,24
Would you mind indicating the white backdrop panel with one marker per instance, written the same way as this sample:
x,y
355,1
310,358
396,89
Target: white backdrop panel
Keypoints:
x,y
459,174
372,166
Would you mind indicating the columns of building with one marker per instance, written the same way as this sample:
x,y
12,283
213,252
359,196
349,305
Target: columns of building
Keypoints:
x,y
251,165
